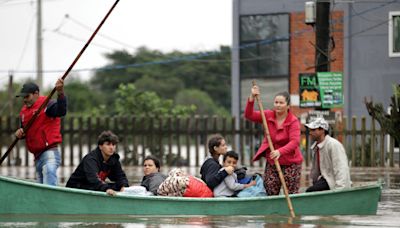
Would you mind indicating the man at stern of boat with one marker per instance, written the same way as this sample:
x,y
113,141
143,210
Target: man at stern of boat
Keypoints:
x,y
330,169
43,136
99,164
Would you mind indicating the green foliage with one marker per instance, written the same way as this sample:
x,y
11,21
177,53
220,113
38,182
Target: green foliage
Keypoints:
x,y
82,99
15,102
130,101
166,89
388,122
204,103
173,83
358,159
167,74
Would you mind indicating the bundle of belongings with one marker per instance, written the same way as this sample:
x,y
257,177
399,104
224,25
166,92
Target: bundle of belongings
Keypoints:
x,y
253,191
179,183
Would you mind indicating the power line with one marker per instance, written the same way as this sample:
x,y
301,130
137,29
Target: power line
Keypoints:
x,y
58,32
199,56
101,35
27,38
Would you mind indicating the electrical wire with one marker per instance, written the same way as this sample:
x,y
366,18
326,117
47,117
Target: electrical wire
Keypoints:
x,y
58,32
27,38
101,35
199,56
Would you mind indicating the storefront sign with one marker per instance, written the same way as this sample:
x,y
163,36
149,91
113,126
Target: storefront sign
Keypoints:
x,y
321,90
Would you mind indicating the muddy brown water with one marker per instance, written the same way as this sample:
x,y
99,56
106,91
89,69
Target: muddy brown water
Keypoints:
x,y
388,209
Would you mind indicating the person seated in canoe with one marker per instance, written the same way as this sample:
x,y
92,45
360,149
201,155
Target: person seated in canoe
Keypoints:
x,y
230,186
330,169
179,183
211,172
99,164
152,176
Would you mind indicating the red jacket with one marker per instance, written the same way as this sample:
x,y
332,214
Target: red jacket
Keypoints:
x,y
44,133
286,138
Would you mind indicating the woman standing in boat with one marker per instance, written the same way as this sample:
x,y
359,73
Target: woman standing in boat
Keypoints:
x,y
284,129
152,176
210,170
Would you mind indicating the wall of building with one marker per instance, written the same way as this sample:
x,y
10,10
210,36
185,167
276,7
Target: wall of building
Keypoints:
x,y
369,70
361,51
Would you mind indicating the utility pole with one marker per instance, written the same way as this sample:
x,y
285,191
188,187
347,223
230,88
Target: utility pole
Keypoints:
x,y
39,56
322,36
11,94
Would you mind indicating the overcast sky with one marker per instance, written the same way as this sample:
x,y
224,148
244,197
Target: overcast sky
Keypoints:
x,y
165,25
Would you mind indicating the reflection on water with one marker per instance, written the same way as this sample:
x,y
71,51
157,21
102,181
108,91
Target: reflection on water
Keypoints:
x,y
387,216
200,221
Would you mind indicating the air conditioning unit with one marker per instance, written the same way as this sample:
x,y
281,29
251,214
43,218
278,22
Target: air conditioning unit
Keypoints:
x,y
310,13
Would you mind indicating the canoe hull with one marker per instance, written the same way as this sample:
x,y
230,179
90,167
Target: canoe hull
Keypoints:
x,y
22,197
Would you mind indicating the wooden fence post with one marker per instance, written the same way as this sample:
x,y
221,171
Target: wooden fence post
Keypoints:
x,y
363,140
188,134
372,142
344,132
169,124
234,132
391,151
382,148
89,133
205,135
353,140
196,139
71,140
62,144
135,135
80,133
160,137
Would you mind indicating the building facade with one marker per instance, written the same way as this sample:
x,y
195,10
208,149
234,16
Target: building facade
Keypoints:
x,y
272,45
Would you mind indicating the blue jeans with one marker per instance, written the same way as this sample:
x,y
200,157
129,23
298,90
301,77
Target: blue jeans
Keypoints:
x,y
47,165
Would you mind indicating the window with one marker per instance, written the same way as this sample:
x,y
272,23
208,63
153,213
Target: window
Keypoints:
x,y
264,46
394,34
269,88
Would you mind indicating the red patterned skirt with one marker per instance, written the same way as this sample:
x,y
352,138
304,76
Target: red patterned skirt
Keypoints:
x,y
291,173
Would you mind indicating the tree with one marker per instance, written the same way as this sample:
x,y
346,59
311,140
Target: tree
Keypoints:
x,y
166,89
389,122
204,103
168,73
82,99
131,101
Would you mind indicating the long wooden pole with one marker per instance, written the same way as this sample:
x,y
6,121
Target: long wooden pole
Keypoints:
x,y
271,146
44,104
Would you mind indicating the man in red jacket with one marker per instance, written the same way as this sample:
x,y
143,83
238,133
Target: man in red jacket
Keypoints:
x,y
43,136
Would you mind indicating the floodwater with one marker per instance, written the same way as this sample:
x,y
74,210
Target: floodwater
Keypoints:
x,y
387,216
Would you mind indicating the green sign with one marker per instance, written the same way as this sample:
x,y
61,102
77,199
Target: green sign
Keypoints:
x,y
331,89
309,91
321,90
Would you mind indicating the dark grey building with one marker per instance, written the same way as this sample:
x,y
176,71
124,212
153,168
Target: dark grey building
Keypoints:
x,y
371,51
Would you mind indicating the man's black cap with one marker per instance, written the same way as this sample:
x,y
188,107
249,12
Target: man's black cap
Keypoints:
x,y
28,88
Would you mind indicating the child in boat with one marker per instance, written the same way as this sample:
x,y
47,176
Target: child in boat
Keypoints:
x,y
230,186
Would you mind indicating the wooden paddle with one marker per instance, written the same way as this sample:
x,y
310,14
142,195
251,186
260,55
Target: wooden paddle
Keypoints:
x,y
271,146
44,104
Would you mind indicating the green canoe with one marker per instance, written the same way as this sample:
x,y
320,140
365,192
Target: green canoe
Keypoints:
x,y
24,197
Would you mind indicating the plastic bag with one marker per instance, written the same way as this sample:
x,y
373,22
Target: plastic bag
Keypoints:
x,y
136,190
254,191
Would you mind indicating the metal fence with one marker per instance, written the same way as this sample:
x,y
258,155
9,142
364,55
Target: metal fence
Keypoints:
x,y
183,141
